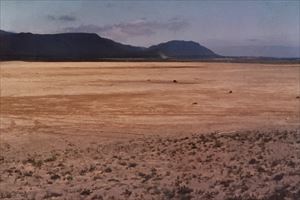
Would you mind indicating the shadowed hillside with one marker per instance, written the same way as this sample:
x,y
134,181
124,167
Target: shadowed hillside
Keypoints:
x,y
182,49
89,46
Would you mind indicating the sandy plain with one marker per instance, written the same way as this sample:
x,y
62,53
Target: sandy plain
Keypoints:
x,y
149,130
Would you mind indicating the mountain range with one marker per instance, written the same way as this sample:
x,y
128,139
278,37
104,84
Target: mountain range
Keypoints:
x,y
90,46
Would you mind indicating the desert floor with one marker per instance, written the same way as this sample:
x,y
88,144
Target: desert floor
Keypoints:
x,y
149,130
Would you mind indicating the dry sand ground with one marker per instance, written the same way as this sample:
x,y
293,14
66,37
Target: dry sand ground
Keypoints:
x,y
129,131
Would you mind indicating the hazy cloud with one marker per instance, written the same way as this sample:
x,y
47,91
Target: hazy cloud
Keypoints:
x,y
65,18
253,40
140,27
109,5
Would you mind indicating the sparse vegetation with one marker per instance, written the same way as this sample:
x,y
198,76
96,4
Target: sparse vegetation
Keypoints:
x,y
121,137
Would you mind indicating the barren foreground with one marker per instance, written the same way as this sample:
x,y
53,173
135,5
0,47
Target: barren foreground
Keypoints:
x,y
144,130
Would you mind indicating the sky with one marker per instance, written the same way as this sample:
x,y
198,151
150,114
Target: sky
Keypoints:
x,y
223,25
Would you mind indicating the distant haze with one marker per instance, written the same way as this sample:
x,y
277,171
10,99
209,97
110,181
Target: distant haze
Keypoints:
x,y
259,51
233,28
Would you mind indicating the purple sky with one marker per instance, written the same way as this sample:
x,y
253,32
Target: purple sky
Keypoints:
x,y
216,24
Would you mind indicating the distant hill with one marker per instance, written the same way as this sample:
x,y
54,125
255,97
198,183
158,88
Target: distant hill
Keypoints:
x,y
4,32
89,46
61,46
182,49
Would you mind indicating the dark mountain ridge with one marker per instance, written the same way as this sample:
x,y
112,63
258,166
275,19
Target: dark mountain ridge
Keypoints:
x,y
90,46
182,49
